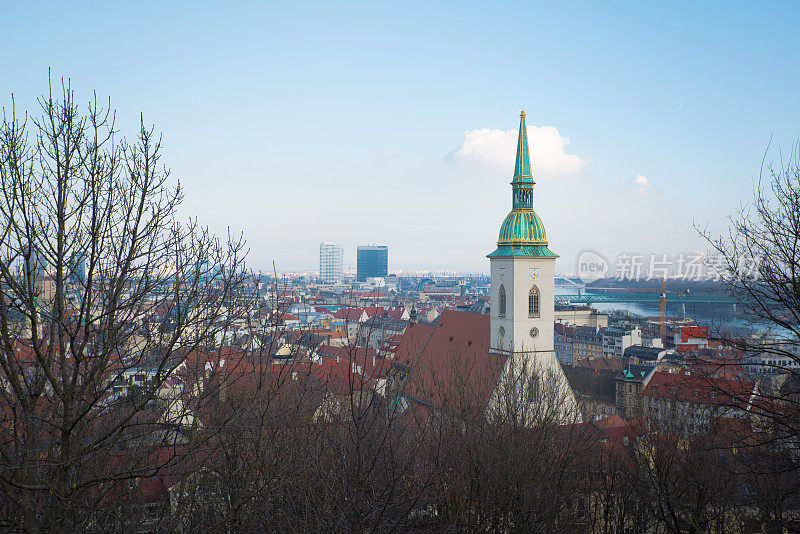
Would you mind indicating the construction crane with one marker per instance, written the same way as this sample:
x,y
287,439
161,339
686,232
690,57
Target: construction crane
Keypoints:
x,y
663,302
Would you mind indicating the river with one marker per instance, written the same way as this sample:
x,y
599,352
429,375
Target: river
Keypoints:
x,y
721,318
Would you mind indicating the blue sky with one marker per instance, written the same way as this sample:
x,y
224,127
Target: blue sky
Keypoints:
x,y
388,122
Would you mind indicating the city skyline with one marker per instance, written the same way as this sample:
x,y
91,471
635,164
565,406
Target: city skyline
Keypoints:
x,y
394,128
204,206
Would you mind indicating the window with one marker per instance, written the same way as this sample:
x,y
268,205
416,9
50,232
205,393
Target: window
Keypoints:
x,y
533,302
501,304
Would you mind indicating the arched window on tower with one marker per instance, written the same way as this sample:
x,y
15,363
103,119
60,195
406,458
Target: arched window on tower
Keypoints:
x,y
501,302
533,302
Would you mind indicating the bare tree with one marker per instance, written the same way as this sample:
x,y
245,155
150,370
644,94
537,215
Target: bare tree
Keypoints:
x,y
760,262
503,455
103,293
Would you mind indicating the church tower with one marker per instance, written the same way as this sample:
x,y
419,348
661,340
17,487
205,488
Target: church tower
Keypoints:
x,y
523,280
523,269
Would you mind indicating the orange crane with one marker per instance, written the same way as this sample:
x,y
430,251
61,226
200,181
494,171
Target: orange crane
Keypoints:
x,y
663,318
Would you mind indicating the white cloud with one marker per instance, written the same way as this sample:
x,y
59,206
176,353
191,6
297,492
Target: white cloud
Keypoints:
x,y
497,148
640,184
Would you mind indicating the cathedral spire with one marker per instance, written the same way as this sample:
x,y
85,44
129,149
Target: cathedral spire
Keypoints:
x,y
522,185
522,169
522,232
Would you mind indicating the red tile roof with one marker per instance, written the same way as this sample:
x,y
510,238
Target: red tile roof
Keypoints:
x,y
348,314
564,330
451,362
395,313
699,389
614,363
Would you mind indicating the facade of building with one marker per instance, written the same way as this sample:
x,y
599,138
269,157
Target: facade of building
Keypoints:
x,y
587,342
693,402
616,340
562,342
372,262
594,390
691,338
772,356
581,316
331,257
77,268
375,332
629,385
523,286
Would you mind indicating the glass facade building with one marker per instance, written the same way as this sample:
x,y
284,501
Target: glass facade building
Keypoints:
x,y
371,262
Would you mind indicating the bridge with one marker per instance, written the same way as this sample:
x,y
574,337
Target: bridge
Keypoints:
x,y
645,297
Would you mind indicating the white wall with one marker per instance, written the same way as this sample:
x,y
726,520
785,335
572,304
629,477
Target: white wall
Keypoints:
x,y
516,323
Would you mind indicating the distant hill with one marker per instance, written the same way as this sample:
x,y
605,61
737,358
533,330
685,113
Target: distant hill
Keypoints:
x,y
693,286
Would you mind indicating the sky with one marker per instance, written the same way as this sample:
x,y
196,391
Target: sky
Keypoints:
x,y
395,122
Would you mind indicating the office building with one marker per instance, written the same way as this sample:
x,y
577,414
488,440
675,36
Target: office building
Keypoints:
x,y
372,262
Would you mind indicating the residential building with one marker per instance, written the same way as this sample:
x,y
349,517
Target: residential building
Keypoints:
x,y
770,355
690,402
331,256
649,340
442,286
629,385
691,338
617,339
374,332
372,262
587,342
595,391
562,342
646,355
580,316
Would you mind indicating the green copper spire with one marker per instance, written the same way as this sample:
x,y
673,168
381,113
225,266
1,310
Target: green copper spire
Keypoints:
x,y
522,184
522,232
523,167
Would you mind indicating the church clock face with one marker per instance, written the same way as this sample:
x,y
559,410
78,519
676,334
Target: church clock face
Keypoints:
x,y
535,274
534,332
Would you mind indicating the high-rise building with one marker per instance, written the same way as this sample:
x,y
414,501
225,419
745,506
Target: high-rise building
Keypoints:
x,y
372,262
34,265
77,268
330,263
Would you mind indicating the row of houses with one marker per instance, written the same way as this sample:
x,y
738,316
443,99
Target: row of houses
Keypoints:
x,y
573,342
622,386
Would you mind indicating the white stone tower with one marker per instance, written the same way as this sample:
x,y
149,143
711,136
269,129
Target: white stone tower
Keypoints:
x,y
523,284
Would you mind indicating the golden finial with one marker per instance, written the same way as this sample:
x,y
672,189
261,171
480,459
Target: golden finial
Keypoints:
x,y
522,114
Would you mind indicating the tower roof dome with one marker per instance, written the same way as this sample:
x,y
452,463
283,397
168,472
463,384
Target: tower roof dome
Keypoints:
x,y
522,232
522,228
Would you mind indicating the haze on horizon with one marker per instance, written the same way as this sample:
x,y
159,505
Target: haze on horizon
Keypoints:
x,y
393,124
